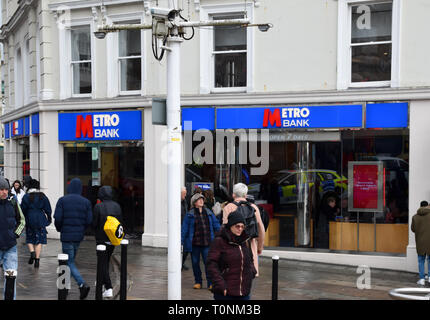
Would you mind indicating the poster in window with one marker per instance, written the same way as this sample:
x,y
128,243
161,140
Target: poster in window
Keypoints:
x,y
365,184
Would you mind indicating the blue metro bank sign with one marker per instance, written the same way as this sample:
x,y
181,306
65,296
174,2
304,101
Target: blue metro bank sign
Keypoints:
x,y
100,126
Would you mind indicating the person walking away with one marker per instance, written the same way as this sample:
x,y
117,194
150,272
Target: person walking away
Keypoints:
x,y
18,191
106,207
421,227
26,182
37,212
240,192
12,223
184,210
198,231
72,216
230,261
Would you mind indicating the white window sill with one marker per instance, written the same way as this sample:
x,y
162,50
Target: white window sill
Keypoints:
x,y
370,84
131,93
77,96
228,90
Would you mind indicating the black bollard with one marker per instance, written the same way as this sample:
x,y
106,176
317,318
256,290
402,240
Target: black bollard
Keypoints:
x,y
63,281
123,283
9,291
101,266
275,260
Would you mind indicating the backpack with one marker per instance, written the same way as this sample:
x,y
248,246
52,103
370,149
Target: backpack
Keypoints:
x,y
248,212
264,217
114,230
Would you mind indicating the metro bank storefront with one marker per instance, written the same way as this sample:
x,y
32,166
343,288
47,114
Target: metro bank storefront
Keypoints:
x,y
106,148
337,178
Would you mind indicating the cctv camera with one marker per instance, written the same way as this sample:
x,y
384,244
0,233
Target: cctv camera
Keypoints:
x,y
265,27
100,35
162,13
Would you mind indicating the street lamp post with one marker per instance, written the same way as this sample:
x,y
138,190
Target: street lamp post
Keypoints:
x,y
174,144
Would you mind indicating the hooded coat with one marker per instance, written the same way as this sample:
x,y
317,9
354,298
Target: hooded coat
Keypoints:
x,y
421,227
107,207
37,210
73,213
230,264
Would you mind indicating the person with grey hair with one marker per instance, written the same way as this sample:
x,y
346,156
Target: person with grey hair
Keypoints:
x,y
240,192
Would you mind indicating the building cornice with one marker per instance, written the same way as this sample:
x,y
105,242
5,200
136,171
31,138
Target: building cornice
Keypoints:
x,y
227,100
14,21
82,4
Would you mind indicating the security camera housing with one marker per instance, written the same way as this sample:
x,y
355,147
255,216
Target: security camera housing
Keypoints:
x,y
162,13
100,35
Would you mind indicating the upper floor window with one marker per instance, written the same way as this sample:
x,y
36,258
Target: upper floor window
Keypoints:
x,y
226,52
130,60
368,40
229,54
81,60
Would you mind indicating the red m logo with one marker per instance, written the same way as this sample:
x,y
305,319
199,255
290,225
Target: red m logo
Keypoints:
x,y
84,127
273,118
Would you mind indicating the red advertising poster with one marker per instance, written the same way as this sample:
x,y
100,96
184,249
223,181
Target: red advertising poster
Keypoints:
x,y
365,191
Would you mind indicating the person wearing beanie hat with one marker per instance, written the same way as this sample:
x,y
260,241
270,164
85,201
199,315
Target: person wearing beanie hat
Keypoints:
x,y
230,261
198,231
12,223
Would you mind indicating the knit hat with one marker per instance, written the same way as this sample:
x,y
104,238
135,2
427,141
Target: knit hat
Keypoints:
x,y
235,218
3,183
196,197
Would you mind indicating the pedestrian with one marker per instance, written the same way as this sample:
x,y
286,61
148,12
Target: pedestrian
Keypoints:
x,y
421,227
240,192
12,223
184,210
72,216
26,182
198,231
230,261
106,207
37,212
18,191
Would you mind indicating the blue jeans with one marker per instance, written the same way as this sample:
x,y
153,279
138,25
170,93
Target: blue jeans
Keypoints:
x,y
421,265
195,258
71,249
10,262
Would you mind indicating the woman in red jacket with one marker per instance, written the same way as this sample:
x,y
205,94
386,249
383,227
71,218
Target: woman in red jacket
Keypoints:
x,y
230,263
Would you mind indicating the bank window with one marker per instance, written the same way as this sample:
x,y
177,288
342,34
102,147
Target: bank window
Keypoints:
x,y
81,60
229,54
368,33
130,60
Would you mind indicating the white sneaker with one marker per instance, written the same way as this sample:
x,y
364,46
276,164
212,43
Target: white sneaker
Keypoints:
x,y
421,282
108,293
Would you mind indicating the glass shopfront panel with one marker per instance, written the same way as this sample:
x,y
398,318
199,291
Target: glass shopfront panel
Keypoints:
x,y
119,165
305,190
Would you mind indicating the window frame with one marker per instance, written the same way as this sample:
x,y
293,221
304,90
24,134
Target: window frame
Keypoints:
x,y
344,61
113,59
207,56
91,61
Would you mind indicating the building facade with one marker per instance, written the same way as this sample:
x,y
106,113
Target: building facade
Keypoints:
x,y
339,89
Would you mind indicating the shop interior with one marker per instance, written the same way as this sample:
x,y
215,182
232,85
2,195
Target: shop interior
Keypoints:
x,y
305,191
118,165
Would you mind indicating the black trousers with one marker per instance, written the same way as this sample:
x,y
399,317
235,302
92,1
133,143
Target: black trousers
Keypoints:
x,y
106,278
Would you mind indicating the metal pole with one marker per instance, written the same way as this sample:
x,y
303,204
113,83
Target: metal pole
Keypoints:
x,y
174,168
63,281
101,266
275,260
123,277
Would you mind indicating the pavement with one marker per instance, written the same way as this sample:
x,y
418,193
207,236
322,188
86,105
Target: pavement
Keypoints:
x,y
147,277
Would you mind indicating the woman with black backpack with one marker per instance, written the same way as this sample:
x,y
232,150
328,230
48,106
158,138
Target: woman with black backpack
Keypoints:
x,y
37,212
106,207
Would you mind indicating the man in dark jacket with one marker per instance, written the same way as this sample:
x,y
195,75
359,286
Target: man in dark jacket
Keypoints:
x,y
12,223
72,216
107,207
421,227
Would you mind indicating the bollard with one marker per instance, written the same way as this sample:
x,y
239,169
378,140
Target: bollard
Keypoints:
x,y
275,260
9,291
123,283
63,281
101,266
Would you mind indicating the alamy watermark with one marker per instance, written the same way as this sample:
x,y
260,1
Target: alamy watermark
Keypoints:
x,y
63,280
231,147
364,281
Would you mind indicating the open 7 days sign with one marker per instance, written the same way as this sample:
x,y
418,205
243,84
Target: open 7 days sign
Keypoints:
x,y
100,126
